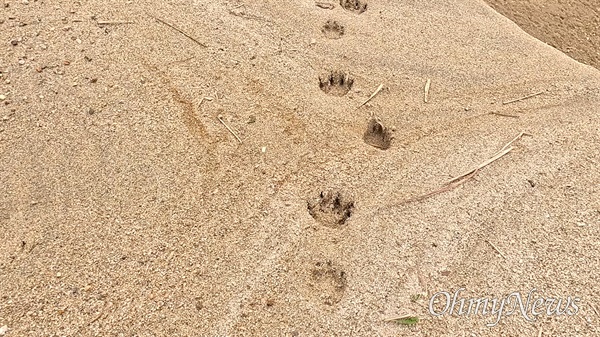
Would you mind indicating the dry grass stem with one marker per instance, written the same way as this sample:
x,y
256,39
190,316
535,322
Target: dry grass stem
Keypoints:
x,y
180,31
324,5
498,155
524,98
427,86
115,22
230,129
503,115
496,249
461,179
372,95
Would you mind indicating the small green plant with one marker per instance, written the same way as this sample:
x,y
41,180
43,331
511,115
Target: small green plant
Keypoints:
x,y
409,320
414,298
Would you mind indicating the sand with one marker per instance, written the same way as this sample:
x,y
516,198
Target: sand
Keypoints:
x,y
570,26
130,209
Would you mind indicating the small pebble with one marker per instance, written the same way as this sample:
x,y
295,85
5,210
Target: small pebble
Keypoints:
x,y
2,97
4,328
21,62
14,42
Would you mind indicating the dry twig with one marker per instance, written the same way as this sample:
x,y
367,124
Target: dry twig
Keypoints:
x,y
519,136
503,151
445,188
230,129
497,156
503,115
372,95
115,22
180,31
524,98
324,5
461,179
496,249
427,86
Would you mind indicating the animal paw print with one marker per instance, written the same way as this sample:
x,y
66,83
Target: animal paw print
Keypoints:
x,y
329,282
356,6
332,30
377,135
331,209
336,83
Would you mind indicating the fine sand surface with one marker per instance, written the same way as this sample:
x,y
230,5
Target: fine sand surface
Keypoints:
x,y
571,26
129,209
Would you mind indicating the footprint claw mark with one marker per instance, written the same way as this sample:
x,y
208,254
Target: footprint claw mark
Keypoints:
x,y
377,134
329,281
356,6
332,29
331,209
336,83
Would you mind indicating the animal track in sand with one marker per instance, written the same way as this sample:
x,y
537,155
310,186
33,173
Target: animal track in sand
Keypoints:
x,y
377,134
331,209
332,29
336,83
328,282
356,6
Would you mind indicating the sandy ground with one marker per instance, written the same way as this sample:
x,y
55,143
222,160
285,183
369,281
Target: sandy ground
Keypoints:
x,y
571,26
129,209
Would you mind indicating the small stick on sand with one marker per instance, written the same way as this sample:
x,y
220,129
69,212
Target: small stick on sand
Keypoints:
x,y
461,179
499,155
427,86
540,332
519,136
503,115
445,188
524,98
230,129
496,249
205,98
115,22
372,95
324,5
593,308
180,31
505,150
